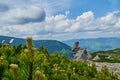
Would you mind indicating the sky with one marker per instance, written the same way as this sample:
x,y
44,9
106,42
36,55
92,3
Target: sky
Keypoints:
x,y
60,19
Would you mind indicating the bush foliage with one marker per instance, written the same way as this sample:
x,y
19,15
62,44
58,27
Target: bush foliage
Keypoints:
x,y
27,63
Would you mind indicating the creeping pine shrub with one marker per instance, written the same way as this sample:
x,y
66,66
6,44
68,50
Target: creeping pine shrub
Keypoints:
x,y
32,64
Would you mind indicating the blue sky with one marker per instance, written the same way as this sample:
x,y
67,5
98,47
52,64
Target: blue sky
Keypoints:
x,y
99,7
60,20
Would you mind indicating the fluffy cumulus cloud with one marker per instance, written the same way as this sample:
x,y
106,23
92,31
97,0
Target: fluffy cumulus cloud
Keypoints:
x,y
23,15
26,11
39,21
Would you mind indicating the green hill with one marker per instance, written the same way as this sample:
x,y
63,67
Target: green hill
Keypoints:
x,y
108,56
50,45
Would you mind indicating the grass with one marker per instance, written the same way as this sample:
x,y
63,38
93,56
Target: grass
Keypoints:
x,y
115,55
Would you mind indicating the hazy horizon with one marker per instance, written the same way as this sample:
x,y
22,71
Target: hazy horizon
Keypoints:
x,y
63,39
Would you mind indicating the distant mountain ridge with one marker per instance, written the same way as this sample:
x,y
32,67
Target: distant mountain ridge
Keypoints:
x,y
96,44
64,47
50,45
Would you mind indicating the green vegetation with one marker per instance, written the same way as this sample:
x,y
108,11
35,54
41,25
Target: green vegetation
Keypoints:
x,y
27,63
113,54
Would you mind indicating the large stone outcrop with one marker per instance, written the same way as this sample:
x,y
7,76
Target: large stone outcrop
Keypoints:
x,y
80,54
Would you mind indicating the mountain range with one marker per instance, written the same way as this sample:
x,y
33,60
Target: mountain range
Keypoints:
x,y
50,45
64,47
96,44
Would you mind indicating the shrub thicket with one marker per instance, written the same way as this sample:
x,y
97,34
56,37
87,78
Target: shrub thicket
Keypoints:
x,y
31,64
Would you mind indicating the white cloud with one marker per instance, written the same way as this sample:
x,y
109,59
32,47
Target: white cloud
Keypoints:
x,y
117,25
50,6
61,28
82,22
22,15
35,18
26,11
86,16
